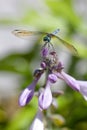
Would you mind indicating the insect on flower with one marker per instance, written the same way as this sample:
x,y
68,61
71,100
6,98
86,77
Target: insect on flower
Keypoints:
x,y
46,39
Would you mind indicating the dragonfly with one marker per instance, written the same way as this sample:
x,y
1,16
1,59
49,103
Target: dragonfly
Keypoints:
x,y
47,38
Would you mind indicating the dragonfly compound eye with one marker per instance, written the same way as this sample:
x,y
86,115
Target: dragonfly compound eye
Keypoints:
x,y
46,39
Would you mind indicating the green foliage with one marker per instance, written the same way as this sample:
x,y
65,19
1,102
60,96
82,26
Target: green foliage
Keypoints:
x,y
23,117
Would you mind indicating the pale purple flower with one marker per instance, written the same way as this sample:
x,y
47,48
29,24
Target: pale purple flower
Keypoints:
x,y
27,94
83,88
38,122
45,98
69,80
78,85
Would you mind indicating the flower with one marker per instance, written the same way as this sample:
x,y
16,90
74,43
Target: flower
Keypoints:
x,y
83,88
45,98
69,80
38,121
78,85
28,93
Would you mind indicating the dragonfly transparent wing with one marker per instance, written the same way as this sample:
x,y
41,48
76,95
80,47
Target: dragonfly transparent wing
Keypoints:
x,y
25,34
67,45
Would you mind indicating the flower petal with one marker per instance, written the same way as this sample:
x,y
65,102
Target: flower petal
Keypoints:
x,y
38,122
83,88
72,82
27,94
45,98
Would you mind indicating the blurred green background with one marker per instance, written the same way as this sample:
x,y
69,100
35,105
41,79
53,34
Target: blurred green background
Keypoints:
x,y
19,58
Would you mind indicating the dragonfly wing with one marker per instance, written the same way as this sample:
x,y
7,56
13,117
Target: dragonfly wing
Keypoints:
x,y
67,45
25,34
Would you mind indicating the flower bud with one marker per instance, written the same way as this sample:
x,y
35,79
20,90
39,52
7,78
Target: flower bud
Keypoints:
x,y
52,78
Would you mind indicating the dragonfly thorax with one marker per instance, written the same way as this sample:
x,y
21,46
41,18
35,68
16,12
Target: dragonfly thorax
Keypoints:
x,y
47,39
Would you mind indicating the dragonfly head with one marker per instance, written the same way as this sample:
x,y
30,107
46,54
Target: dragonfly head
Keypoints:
x,y
47,38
